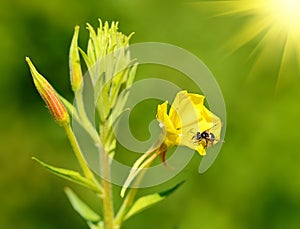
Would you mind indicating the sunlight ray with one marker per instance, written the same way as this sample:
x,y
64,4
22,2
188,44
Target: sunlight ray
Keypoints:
x,y
272,27
246,34
267,51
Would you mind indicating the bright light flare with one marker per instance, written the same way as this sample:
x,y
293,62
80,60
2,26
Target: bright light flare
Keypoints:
x,y
286,13
272,27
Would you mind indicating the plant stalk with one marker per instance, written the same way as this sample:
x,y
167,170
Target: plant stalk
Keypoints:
x,y
108,210
82,162
107,201
128,201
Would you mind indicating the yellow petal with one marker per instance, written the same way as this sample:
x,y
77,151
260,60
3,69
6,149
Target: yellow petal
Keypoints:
x,y
197,100
186,109
176,108
171,134
164,119
210,122
200,149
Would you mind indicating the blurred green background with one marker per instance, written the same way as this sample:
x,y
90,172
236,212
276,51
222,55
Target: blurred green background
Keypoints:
x,y
254,182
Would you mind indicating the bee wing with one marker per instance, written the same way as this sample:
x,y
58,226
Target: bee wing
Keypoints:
x,y
216,131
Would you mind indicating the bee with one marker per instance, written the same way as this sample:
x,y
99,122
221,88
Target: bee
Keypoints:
x,y
206,138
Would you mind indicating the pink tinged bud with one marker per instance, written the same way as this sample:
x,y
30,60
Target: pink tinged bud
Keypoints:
x,y
74,62
47,92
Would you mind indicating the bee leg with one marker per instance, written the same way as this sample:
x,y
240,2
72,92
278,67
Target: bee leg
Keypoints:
x,y
196,142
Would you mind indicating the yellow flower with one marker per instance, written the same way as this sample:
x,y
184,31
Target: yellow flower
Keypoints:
x,y
188,118
189,123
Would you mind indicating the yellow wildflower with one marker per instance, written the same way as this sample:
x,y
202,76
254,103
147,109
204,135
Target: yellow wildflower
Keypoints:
x,y
189,123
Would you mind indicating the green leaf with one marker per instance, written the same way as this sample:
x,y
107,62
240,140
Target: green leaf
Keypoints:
x,y
81,208
149,200
99,225
132,73
126,42
91,51
103,99
71,176
94,46
89,63
119,107
115,87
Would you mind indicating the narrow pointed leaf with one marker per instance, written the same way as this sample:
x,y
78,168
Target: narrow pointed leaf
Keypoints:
x,y
149,200
88,62
131,76
71,176
117,82
94,41
82,208
99,225
103,102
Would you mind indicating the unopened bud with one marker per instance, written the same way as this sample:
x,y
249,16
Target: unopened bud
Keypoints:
x,y
47,92
74,62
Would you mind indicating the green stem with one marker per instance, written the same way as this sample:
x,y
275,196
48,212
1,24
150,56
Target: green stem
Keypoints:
x,y
128,201
107,201
83,164
108,210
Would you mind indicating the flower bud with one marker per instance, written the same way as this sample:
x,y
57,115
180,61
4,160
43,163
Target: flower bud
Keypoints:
x,y
74,62
47,92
